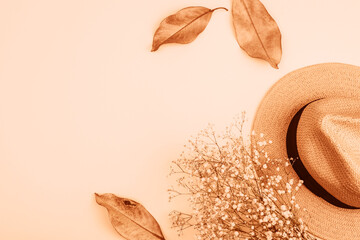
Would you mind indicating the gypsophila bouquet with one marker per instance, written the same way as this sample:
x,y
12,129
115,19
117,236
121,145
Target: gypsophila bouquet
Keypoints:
x,y
233,193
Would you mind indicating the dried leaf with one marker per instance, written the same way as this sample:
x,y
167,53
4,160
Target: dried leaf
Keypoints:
x,y
183,26
256,31
130,219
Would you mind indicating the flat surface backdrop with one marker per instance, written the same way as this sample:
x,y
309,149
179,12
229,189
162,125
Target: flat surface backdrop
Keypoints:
x,y
86,107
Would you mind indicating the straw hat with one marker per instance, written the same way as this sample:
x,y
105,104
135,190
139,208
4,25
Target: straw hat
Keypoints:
x,y
314,114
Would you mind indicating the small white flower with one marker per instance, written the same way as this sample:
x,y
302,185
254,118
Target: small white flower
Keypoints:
x,y
268,235
287,214
281,192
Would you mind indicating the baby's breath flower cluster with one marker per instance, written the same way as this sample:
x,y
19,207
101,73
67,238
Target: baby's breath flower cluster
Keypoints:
x,y
236,191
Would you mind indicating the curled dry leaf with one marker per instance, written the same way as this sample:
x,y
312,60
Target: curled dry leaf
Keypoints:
x,y
256,31
183,26
130,219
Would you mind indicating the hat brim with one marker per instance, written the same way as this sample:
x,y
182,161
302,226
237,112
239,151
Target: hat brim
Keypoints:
x,y
273,116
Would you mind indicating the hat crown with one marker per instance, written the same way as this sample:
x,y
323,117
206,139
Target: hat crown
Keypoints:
x,y
328,140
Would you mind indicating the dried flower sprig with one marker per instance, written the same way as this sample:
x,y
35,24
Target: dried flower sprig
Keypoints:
x,y
236,191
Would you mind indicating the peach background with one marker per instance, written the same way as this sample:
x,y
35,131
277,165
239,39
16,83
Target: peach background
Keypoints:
x,y
86,107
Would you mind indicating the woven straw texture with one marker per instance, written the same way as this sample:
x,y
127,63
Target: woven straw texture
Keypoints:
x,y
328,81
328,139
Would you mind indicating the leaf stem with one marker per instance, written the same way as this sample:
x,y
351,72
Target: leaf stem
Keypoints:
x,y
219,8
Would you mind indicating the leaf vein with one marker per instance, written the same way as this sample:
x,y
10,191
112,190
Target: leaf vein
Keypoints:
x,y
186,25
256,31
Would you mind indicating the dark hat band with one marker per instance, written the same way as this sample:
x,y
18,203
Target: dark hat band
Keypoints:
x,y
300,169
